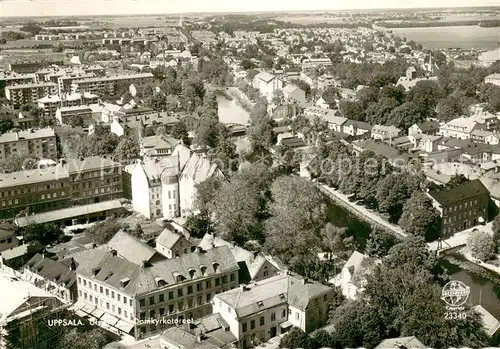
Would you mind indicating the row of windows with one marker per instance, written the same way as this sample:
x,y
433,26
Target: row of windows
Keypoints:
x,y
262,320
471,203
189,290
32,189
111,307
42,197
106,291
459,216
179,306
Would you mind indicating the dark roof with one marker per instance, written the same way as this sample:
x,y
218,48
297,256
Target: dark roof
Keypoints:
x,y
328,98
461,192
293,142
58,271
6,230
359,124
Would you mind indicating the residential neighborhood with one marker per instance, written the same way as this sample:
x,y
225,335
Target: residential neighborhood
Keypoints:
x,y
249,180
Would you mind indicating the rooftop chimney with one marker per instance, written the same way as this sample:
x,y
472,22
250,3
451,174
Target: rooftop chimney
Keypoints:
x,y
304,281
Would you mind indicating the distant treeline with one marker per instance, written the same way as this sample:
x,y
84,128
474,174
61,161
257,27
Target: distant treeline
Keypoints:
x,y
486,23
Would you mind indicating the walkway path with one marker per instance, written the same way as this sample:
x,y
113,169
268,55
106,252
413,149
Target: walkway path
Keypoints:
x,y
362,211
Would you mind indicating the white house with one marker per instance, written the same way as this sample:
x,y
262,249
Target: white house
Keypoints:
x,y
492,79
356,128
266,309
267,83
460,128
350,279
385,132
172,244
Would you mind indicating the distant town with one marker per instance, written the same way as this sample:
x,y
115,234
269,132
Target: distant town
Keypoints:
x,y
250,180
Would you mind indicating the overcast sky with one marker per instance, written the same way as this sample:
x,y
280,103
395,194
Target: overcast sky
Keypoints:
x,y
118,7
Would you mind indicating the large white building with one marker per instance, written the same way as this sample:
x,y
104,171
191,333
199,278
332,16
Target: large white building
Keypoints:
x,y
268,308
126,294
492,79
460,128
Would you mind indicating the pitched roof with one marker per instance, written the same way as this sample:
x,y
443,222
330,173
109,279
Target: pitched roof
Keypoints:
x,y
461,192
27,134
401,342
168,238
265,76
102,265
199,168
210,241
49,269
131,248
490,323
6,230
90,163
268,293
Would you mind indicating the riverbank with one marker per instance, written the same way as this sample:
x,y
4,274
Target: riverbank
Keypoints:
x,y
242,98
362,212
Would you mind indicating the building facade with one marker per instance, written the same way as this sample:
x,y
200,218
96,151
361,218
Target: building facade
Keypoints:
x,y
35,143
28,93
461,207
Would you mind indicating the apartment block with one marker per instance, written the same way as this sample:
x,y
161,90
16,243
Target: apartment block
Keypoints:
x,y
64,82
50,104
19,79
35,143
34,191
130,295
32,66
107,85
94,179
28,93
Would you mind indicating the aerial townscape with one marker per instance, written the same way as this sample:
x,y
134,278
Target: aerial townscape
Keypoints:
x,y
203,180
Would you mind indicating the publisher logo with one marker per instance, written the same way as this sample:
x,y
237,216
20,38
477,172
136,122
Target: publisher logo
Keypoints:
x,y
455,293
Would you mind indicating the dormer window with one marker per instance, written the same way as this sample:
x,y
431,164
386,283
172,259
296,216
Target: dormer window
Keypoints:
x,y
191,272
178,277
215,266
96,271
260,304
160,282
203,269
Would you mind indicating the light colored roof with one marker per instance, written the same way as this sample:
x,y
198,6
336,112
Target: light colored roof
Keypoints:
x,y
17,292
50,99
462,122
75,108
385,129
199,168
115,78
264,76
89,164
159,142
131,248
143,279
25,177
168,238
290,88
332,119
355,261
210,241
493,76
15,252
34,85
490,323
396,343
268,293
66,213
27,134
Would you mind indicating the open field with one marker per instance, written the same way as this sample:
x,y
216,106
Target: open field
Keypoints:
x,y
11,56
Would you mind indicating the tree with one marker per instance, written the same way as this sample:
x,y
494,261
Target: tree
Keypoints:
x,y
324,339
425,94
358,324
378,113
379,243
481,245
6,124
420,217
393,192
298,209
351,110
261,134
94,339
46,233
336,242
296,339
239,206
405,115
15,163
199,225
496,231
126,150
102,232
179,131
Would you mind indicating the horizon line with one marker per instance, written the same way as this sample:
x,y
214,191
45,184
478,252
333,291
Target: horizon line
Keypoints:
x,y
194,13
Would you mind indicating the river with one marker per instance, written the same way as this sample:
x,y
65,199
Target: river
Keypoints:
x,y
231,111
482,291
466,37
357,228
